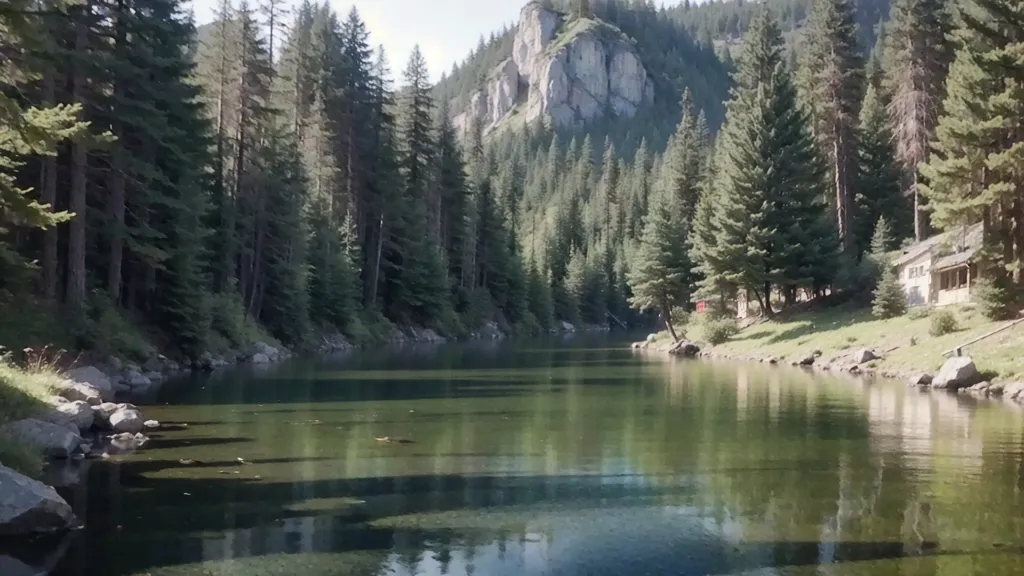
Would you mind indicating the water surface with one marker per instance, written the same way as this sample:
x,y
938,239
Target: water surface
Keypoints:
x,y
558,458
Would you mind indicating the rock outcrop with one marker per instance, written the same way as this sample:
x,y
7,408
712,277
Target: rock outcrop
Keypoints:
x,y
28,506
562,73
127,419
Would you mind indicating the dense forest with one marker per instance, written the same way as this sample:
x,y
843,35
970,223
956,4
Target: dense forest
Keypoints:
x,y
268,171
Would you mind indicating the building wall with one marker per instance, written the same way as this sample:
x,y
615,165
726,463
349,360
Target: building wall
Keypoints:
x,y
916,277
957,296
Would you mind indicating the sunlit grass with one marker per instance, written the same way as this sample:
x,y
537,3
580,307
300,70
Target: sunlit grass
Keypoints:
x,y
904,343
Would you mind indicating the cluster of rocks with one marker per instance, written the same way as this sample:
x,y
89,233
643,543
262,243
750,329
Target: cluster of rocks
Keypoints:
x,y
682,348
489,331
79,419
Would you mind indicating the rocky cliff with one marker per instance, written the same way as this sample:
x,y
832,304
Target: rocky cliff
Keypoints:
x,y
560,72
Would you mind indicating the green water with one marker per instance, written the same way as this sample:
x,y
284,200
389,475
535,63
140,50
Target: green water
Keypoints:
x,y
560,458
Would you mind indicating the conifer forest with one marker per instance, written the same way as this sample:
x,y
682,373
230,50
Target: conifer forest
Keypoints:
x,y
274,168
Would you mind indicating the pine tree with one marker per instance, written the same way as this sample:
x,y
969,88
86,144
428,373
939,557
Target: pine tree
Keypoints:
x,y
831,85
879,192
27,130
917,56
771,226
660,278
890,299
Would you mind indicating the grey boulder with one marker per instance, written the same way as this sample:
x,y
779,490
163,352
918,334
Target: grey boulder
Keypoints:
x,y
53,440
126,420
94,377
864,355
685,349
102,413
13,567
75,391
28,506
958,372
260,358
78,412
920,379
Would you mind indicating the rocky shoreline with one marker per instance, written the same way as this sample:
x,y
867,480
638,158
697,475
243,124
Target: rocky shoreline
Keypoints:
x,y
958,375
90,417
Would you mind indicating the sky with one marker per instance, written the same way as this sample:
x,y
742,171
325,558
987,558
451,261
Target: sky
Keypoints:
x,y
446,30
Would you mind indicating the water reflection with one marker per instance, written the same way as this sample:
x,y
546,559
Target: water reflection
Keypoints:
x,y
576,459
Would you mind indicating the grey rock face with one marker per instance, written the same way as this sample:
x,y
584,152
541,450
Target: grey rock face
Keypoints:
x,y
578,78
52,440
28,506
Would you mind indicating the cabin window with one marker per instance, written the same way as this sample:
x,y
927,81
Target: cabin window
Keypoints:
x,y
953,279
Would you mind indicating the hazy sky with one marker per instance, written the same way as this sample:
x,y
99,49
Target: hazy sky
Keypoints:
x,y
446,30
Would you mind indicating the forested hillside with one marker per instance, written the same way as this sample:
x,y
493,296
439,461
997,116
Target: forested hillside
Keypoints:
x,y
273,175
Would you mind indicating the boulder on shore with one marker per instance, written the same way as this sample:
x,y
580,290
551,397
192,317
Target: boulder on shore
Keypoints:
x,y
864,355
807,360
127,420
102,413
136,380
93,377
958,372
74,391
78,412
685,349
920,379
52,440
259,358
28,506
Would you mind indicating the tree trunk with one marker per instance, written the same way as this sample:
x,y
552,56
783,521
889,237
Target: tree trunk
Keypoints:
x,y
79,175
48,196
668,322
842,187
766,301
920,216
115,202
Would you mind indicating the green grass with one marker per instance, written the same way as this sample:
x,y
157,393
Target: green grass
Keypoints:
x,y
23,394
904,342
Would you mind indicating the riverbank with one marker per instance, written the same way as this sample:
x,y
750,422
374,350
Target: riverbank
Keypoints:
x,y
847,338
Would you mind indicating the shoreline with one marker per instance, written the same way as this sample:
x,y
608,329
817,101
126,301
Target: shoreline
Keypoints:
x,y
860,365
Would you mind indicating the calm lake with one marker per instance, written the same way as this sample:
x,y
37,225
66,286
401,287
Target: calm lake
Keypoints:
x,y
558,457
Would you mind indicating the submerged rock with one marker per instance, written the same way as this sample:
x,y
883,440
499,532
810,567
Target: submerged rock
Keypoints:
x,y
52,440
28,506
958,372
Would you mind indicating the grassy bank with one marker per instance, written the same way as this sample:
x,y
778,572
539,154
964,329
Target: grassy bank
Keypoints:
x,y
906,342
23,394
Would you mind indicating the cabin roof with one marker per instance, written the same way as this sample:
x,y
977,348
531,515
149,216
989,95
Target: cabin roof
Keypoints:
x,y
963,241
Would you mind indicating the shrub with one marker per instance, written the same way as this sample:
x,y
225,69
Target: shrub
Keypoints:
x,y
719,330
919,312
943,323
890,300
996,297
20,458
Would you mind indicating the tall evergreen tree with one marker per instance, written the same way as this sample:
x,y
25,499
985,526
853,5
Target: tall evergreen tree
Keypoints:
x,y
831,79
879,193
660,278
917,57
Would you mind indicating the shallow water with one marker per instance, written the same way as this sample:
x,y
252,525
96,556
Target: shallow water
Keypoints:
x,y
558,458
